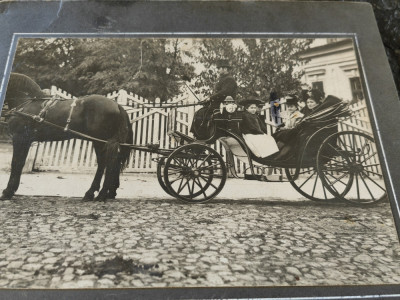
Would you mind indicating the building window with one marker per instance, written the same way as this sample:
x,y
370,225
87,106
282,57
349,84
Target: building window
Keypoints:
x,y
319,85
356,89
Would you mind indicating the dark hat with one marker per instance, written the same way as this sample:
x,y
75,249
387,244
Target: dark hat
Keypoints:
x,y
291,100
250,101
303,96
229,99
223,63
273,96
316,95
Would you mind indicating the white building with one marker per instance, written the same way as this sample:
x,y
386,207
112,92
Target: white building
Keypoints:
x,y
331,66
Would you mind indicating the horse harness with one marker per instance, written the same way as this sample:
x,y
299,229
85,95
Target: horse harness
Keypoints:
x,y
46,105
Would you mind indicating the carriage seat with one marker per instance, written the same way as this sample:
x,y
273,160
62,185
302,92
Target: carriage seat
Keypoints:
x,y
236,149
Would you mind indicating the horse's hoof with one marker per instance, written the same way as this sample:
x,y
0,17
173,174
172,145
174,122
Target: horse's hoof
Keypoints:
x,y
111,196
6,195
101,197
88,197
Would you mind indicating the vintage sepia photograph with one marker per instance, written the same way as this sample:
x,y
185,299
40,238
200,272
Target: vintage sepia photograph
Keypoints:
x,y
131,162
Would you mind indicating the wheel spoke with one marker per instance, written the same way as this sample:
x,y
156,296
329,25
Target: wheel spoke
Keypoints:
x,y
366,185
175,180
358,187
210,166
344,145
180,185
383,189
336,169
364,146
174,167
304,172
334,149
331,158
179,162
368,157
190,191
209,183
371,165
333,187
204,160
374,173
202,188
180,190
338,179
193,186
308,179
315,184
173,173
323,188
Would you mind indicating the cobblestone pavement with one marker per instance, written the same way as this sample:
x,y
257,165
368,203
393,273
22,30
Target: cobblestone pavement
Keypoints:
x,y
60,242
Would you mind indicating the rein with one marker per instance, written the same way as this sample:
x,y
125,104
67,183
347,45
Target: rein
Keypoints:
x,y
88,137
140,104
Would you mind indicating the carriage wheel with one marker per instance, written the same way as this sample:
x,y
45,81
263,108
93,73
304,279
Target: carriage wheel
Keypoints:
x,y
309,184
351,154
160,174
195,173
161,181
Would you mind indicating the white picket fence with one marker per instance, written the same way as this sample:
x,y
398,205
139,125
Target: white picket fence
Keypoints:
x,y
149,125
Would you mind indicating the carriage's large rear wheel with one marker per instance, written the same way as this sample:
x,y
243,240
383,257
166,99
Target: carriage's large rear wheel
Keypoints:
x,y
354,155
309,184
194,173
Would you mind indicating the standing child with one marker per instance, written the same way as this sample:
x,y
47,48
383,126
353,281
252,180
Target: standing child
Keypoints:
x,y
255,132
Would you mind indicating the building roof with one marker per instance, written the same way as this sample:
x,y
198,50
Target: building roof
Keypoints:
x,y
342,45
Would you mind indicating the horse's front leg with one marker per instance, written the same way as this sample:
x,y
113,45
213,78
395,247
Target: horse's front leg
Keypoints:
x,y
21,145
100,155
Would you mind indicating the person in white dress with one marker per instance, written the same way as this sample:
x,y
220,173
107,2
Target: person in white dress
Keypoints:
x,y
254,131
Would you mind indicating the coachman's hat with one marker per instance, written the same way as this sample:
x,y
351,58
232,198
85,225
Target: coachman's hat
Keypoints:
x,y
223,63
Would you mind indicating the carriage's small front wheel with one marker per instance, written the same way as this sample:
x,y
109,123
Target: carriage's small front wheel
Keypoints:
x,y
351,154
194,173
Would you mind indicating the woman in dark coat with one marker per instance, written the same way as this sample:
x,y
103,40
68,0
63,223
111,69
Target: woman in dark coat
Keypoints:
x,y
255,132
290,140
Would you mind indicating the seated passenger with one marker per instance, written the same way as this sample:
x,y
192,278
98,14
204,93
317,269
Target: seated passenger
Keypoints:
x,y
255,132
314,99
293,141
292,116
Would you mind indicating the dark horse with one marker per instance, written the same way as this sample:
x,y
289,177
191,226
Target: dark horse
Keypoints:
x,y
95,116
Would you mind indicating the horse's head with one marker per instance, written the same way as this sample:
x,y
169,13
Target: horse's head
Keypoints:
x,y
21,88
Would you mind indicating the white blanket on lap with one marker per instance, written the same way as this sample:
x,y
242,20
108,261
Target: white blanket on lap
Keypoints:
x,y
262,145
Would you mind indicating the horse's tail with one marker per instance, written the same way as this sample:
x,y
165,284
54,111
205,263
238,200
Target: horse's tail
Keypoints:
x,y
118,156
125,136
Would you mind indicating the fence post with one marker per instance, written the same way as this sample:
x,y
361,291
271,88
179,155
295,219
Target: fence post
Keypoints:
x,y
122,98
31,158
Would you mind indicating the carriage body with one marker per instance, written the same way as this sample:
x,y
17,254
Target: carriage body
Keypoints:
x,y
327,164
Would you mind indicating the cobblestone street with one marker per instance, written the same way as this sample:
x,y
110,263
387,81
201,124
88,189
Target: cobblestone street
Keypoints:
x,y
62,242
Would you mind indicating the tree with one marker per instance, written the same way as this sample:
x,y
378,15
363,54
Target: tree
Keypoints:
x,y
150,68
259,65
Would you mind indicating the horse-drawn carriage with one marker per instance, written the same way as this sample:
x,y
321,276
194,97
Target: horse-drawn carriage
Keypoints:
x,y
327,164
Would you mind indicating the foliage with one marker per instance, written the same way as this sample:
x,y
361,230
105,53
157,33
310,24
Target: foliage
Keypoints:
x,y
153,68
259,65
150,68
